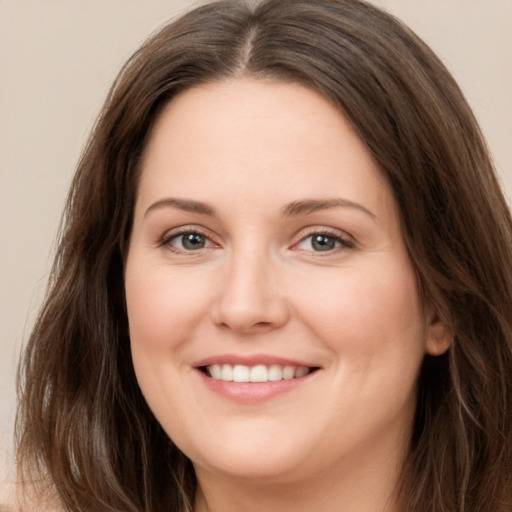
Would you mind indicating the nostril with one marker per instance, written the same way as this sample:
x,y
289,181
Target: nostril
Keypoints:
x,y
247,301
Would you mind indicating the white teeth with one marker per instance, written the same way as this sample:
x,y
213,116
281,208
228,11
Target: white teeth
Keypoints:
x,y
275,373
289,372
301,371
226,372
215,371
258,373
241,373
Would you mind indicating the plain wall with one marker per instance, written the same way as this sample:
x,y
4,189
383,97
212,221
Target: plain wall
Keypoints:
x,y
57,61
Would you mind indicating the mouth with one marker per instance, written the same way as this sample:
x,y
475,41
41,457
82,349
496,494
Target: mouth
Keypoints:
x,y
258,373
252,379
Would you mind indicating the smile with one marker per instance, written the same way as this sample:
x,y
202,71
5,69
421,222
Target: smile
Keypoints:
x,y
256,373
253,378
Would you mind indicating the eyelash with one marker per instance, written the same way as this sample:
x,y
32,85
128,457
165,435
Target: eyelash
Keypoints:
x,y
167,239
345,242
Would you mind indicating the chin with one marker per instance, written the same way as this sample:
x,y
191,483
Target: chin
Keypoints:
x,y
249,454
261,467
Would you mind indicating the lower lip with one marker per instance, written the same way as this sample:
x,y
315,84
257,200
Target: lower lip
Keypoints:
x,y
253,391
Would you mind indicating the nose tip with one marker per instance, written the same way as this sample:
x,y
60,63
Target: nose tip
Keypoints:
x,y
250,301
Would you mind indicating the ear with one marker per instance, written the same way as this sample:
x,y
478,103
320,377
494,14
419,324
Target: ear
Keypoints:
x,y
439,337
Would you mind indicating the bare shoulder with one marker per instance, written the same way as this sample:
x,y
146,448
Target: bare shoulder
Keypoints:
x,y
14,500
9,501
17,506
8,497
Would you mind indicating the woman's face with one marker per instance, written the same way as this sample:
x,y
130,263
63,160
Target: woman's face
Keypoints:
x,y
275,323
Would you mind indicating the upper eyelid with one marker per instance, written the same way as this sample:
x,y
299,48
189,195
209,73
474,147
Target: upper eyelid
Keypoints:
x,y
298,237
166,243
183,230
344,243
334,232
186,228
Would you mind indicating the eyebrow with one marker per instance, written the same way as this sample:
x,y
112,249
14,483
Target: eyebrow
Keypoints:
x,y
308,206
187,205
296,208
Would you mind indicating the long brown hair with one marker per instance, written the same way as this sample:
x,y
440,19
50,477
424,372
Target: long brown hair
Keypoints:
x,y
83,425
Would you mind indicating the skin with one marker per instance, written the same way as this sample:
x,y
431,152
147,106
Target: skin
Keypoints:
x,y
259,286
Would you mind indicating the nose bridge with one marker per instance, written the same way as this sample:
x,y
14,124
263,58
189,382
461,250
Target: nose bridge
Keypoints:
x,y
250,297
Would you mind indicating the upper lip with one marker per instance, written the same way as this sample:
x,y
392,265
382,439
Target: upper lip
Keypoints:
x,y
250,360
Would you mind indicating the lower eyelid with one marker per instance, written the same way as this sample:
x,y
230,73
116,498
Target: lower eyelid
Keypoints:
x,y
343,241
166,240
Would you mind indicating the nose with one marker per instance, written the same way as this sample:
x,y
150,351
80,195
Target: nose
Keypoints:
x,y
250,299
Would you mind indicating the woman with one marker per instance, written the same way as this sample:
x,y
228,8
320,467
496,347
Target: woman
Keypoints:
x,y
283,281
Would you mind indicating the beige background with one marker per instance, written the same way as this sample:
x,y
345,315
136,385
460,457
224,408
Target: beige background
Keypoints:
x,y
57,60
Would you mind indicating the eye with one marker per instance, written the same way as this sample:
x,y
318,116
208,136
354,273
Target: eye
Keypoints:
x,y
187,241
323,242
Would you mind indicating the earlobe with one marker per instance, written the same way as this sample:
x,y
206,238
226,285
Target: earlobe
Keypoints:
x,y
439,337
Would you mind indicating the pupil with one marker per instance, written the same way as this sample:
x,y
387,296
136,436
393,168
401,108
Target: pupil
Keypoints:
x,y
193,241
323,243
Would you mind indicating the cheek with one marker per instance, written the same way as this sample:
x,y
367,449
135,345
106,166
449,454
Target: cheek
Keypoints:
x,y
163,307
363,308
163,310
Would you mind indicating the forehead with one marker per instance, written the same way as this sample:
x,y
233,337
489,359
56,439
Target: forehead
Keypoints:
x,y
258,138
